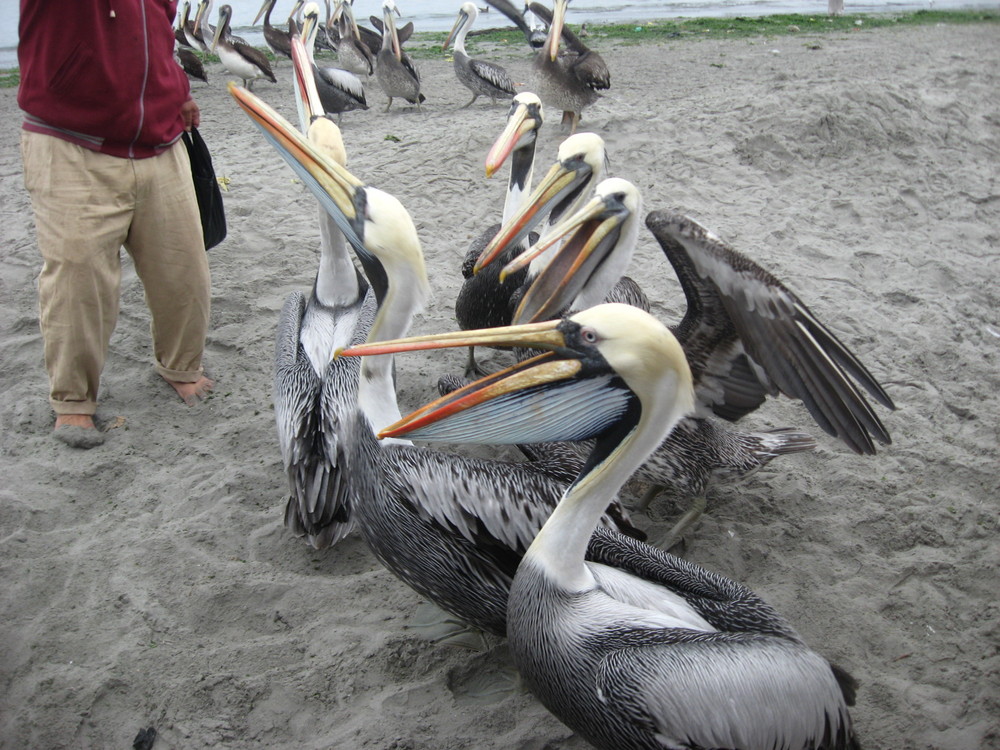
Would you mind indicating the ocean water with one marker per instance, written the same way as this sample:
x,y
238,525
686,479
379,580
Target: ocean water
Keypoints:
x,y
438,15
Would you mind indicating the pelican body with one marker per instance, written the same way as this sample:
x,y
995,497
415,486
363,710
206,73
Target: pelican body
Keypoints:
x,y
353,53
570,79
339,90
650,651
279,41
239,58
480,77
396,73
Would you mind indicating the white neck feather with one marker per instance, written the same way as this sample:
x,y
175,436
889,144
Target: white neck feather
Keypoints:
x,y
560,547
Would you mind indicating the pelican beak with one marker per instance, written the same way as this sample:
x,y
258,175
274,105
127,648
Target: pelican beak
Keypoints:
x,y
563,180
555,30
559,364
390,29
523,121
307,99
260,12
595,231
339,192
459,22
219,28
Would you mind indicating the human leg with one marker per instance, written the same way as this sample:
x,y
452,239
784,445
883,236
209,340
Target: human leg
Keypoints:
x,y
165,241
82,204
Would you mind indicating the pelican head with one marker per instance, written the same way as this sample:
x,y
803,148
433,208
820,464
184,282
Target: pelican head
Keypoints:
x,y
222,27
580,164
467,16
599,365
583,270
523,123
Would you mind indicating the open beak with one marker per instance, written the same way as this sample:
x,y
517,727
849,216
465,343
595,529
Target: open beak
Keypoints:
x,y
595,230
522,122
307,95
562,181
459,22
515,405
555,30
338,191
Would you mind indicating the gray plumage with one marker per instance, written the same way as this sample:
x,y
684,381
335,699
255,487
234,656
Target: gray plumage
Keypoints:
x,y
574,79
453,528
482,78
396,73
310,409
749,684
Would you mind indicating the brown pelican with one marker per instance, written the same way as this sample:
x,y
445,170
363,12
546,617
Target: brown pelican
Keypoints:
x,y
339,90
567,80
396,73
652,652
432,518
183,22
279,41
478,76
237,56
745,334
482,301
191,63
353,53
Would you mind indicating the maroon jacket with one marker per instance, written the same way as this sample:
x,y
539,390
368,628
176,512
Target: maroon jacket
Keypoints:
x,y
101,73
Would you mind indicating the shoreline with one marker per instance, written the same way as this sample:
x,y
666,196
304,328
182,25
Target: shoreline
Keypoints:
x,y
422,43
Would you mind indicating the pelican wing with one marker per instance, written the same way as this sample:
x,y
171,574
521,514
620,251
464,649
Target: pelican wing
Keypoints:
x,y
495,75
746,334
725,690
344,81
253,56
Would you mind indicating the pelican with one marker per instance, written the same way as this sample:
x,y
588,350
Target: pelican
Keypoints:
x,y
396,73
240,58
478,76
654,652
279,41
567,80
482,301
339,90
352,52
432,518
191,63
183,22
745,334
527,22
309,385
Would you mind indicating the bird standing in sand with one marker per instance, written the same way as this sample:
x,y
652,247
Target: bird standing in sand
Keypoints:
x,y
397,76
239,58
480,77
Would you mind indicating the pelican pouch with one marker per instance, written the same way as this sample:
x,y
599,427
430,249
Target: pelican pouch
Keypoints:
x,y
206,187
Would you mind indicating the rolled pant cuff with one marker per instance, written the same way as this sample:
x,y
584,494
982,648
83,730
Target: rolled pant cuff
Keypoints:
x,y
73,407
179,376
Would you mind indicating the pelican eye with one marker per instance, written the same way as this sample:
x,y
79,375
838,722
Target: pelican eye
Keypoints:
x,y
589,335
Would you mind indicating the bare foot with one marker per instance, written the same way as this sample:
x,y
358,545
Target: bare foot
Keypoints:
x,y
192,393
78,431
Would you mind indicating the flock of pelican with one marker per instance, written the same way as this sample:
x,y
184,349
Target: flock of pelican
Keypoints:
x,y
630,646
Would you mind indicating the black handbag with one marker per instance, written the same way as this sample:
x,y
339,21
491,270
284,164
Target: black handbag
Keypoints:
x,y
206,187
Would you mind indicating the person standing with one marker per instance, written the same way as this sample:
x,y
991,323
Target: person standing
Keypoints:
x,y
105,105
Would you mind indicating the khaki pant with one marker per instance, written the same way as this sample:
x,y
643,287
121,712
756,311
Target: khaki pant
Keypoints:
x,y
87,207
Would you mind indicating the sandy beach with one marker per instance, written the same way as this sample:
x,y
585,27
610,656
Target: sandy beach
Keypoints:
x,y
150,582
